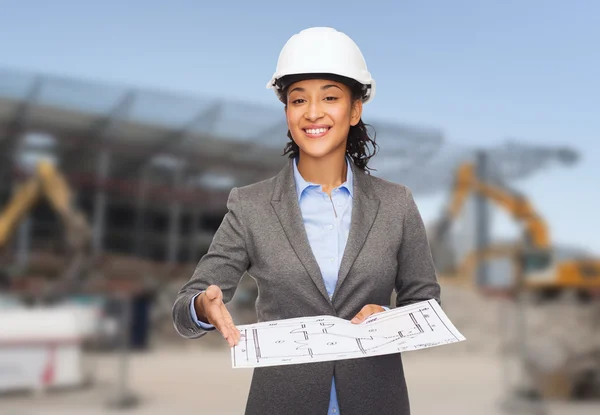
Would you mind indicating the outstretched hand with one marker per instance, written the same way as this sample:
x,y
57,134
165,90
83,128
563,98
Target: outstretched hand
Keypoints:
x,y
367,311
210,305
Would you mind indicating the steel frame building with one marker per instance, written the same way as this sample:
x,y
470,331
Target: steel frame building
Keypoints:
x,y
152,170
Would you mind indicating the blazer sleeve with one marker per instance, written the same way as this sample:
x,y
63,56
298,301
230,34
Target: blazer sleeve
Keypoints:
x,y
224,265
416,280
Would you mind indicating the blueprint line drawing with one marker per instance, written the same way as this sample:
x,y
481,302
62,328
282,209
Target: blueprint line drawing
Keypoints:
x,y
323,338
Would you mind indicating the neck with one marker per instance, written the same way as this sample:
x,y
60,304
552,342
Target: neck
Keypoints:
x,y
329,171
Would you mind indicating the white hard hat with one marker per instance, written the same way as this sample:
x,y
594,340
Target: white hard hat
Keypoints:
x,y
323,50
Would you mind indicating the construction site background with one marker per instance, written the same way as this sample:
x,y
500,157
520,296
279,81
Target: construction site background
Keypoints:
x,y
124,127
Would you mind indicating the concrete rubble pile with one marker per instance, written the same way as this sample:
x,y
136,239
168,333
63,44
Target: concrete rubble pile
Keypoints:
x,y
562,338
476,317
563,332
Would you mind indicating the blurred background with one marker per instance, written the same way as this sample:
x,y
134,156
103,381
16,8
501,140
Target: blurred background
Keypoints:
x,y
123,127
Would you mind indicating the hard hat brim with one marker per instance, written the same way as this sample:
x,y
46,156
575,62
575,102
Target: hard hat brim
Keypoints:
x,y
282,82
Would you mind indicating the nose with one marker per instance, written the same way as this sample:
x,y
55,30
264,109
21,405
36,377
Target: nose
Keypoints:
x,y
314,111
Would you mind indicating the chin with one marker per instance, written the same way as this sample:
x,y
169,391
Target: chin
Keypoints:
x,y
317,153
319,147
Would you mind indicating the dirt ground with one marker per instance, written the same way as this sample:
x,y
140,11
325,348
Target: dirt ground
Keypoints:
x,y
196,377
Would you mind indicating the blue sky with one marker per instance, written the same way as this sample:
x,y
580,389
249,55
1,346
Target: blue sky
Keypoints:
x,y
481,71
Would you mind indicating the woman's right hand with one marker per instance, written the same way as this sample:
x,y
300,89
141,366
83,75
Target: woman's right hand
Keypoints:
x,y
210,305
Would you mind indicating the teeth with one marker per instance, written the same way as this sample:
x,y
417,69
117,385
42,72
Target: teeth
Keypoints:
x,y
316,130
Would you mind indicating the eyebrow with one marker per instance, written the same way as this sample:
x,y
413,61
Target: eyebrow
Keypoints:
x,y
324,87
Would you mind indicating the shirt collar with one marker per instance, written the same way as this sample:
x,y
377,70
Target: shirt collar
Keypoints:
x,y
302,184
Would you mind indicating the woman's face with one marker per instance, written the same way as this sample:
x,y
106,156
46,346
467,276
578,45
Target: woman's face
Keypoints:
x,y
319,115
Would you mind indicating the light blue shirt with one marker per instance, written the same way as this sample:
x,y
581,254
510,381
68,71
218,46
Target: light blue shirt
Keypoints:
x,y
327,222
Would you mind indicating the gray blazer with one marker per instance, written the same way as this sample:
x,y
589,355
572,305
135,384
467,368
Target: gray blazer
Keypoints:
x,y
263,234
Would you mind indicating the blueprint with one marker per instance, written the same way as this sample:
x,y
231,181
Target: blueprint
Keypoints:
x,y
321,338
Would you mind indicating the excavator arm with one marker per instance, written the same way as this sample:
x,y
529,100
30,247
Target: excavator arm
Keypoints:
x,y
460,190
536,231
48,181
534,256
466,182
56,189
23,200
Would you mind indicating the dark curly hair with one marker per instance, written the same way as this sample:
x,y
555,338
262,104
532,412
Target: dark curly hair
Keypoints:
x,y
359,140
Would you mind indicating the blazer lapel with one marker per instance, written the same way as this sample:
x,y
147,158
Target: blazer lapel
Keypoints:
x,y
364,210
285,204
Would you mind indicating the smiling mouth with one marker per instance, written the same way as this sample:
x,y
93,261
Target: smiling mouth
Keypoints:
x,y
316,132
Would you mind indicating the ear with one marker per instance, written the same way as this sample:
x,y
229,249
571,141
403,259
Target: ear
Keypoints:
x,y
357,107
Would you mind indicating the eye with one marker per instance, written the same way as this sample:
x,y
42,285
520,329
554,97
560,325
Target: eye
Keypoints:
x,y
331,98
297,101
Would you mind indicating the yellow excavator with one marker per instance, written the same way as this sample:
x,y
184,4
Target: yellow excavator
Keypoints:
x,y
551,366
49,182
537,266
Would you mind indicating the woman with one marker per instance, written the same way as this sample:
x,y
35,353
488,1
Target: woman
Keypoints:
x,y
322,237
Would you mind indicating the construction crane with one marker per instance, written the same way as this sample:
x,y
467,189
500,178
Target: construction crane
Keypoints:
x,y
49,182
534,256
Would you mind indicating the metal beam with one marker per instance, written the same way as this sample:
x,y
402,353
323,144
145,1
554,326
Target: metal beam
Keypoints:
x,y
210,199
280,126
195,225
24,241
191,157
99,134
206,118
18,123
140,215
174,218
7,156
100,131
482,224
517,160
252,148
100,203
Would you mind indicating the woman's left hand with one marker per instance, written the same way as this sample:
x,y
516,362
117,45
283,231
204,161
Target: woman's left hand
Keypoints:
x,y
366,311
